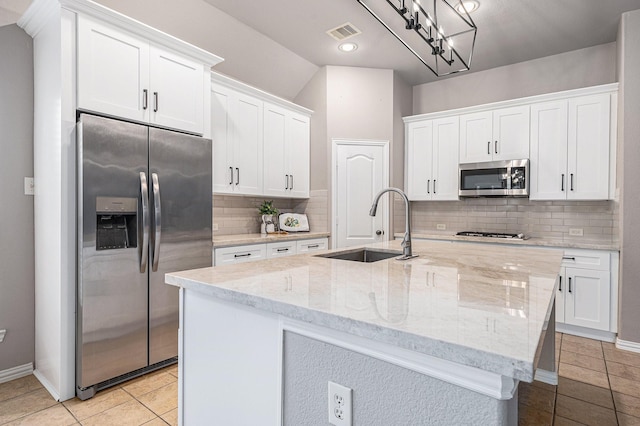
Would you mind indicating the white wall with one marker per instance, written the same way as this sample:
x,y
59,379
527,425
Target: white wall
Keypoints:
x,y
579,68
17,314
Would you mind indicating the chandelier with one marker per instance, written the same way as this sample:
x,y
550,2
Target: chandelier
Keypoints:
x,y
440,35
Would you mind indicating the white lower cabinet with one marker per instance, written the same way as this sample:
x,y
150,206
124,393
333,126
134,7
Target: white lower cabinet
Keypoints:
x,y
240,254
587,292
253,252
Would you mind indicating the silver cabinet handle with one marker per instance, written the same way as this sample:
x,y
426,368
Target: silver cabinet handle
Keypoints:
x,y
428,186
496,145
230,175
286,182
569,284
155,101
562,183
560,285
434,186
145,99
237,176
313,246
291,188
489,148
572,181
157,222
144,196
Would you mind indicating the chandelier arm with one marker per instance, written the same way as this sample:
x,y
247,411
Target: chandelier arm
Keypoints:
x,y
397,36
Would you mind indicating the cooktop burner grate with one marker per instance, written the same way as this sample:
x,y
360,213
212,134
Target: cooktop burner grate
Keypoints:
x,y
491,235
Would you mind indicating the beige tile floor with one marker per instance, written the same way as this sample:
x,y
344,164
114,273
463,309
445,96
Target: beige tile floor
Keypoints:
x,y
598,385
151,400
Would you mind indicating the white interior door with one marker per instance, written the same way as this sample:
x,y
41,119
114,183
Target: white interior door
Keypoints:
x,y
361,171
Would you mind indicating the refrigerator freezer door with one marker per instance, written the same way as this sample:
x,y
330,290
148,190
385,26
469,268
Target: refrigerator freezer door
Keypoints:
x,y
112,292
180,166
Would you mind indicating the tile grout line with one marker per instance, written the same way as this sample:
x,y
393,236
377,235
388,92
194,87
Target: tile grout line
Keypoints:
x,y
606,369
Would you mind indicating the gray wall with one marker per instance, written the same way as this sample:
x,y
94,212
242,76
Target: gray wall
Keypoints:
x,y
249,55
17,280
383,393
580,68
629,142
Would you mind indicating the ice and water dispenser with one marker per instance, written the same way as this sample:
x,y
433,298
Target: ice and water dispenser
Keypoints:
x,y
117,223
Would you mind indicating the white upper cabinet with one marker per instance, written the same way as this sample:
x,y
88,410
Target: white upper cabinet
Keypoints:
x,y
501,134
432,159
123,75
237,134
260,147
570,149
286,147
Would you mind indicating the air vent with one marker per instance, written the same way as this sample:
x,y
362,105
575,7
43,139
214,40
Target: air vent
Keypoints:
x,y
344,31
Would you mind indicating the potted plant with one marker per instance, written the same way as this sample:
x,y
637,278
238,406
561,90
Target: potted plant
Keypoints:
x,y
268,211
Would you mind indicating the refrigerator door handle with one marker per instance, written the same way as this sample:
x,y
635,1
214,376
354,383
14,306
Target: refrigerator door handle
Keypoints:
x,y
144,194
155,255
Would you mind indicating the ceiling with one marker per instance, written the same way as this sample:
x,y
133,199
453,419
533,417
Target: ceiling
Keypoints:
x,y
509,31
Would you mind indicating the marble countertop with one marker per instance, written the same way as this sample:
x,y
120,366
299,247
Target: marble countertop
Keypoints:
x,y
242,239
482,308
539,242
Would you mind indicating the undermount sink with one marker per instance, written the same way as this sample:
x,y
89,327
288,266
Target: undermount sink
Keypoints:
x,y
362,255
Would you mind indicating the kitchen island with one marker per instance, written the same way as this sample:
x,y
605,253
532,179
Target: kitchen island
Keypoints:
x,y
443,338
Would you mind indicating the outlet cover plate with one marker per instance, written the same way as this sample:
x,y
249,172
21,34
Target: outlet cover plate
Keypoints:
x,y
441,226
28,186
576,232
339,403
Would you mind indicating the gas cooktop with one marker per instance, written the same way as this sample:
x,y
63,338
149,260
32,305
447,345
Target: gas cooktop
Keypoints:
x,y
491,235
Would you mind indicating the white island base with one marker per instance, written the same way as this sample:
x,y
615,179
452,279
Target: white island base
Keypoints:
x,y
247,360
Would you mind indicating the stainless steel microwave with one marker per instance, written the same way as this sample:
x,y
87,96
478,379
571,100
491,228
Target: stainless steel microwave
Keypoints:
x,y
508,178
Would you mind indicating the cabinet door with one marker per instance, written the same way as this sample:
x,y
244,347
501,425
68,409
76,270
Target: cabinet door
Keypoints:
x,y
445,159
113,71
297,151
316,244
222,139
176,85
587,298
281,249
588,164
276,173
548,159
511,133
476,142
420,160
247,145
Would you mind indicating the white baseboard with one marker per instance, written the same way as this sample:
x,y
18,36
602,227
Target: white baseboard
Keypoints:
x,y
16,372
548,377
589,333
627,345
47,385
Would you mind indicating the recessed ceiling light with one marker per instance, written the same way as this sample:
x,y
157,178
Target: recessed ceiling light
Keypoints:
x,y
348,47
470,5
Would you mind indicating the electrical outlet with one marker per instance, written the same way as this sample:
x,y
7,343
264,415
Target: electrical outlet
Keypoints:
x,y
339,405
2,333
215,226
441,227
28,186
576,232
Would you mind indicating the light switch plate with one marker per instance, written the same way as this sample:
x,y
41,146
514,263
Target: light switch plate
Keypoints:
x,y
215,226
28,186
441,226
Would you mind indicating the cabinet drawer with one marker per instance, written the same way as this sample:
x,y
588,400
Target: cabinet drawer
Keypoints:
x,y
316,244
240,254
282,249
586,259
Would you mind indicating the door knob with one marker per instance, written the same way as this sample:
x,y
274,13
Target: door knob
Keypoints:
x,y
379,232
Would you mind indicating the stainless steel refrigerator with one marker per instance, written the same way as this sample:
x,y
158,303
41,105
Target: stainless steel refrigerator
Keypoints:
x,y
144,209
